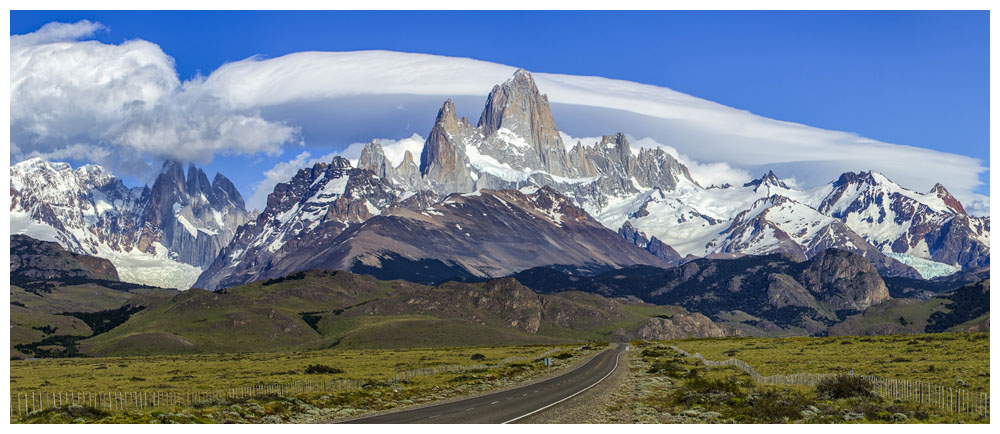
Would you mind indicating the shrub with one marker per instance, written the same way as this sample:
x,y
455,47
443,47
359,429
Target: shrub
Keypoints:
x,y
477,357
651,352
563,356
323,369
844,386
665,367
772,407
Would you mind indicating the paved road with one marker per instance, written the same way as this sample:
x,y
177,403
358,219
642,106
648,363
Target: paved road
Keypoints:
x,y
511,405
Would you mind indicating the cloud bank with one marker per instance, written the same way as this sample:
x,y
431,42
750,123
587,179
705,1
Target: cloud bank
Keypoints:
x,y
119,105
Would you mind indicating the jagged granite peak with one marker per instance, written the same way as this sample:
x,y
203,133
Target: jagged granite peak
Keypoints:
x,y
443,162
578,157
193,221
406,174
373,158
224,188
160,235
517,123
768,180
655,168
197,181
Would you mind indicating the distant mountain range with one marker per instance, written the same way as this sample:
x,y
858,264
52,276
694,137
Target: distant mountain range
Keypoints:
x,y
66,304
161,235
486,201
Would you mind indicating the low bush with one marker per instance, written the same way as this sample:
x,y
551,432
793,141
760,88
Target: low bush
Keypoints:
x,y
844,386
323,369
665,367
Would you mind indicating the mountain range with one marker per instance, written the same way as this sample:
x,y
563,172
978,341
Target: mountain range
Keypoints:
x,y
487,201
161,235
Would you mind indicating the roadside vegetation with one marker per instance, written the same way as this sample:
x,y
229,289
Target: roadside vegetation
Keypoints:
x,y
373,369
678,389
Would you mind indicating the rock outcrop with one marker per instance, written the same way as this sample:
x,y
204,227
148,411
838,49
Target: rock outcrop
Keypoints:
x,y
34,260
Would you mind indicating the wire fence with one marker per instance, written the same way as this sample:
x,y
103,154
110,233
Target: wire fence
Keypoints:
x,y
953,400
116,401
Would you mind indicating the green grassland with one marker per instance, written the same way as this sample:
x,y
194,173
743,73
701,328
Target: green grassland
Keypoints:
x,y
322,309
685,390
941,358
205,372
38,317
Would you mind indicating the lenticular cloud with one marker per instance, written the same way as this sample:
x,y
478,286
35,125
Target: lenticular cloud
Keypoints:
x,y
132,104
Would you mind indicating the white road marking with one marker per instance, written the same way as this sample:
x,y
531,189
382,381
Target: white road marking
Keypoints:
x,y
571,396
494,402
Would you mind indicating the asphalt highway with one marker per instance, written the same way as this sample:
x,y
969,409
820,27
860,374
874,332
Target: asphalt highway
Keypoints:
x,y
512,405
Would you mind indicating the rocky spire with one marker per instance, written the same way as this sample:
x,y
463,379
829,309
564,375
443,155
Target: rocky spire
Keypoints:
x,y
519,108
373,159
223,187
197,181
443,161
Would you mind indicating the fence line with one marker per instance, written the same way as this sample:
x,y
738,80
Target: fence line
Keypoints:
x,y
957,401
24,403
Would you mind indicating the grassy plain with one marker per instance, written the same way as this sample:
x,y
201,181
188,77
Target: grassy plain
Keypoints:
x,y
205,372
943,358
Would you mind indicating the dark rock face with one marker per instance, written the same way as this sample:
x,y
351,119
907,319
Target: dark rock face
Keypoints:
x,y
34,260
652,245
683,325
844,280
957,241
773,289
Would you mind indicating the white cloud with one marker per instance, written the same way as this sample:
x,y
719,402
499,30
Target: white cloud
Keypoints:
x,y
57,32
125,99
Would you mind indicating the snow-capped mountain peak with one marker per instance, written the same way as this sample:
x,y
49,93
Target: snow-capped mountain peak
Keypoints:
x,y
161,235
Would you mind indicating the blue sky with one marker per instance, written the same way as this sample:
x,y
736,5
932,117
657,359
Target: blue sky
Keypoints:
x,y
912,78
